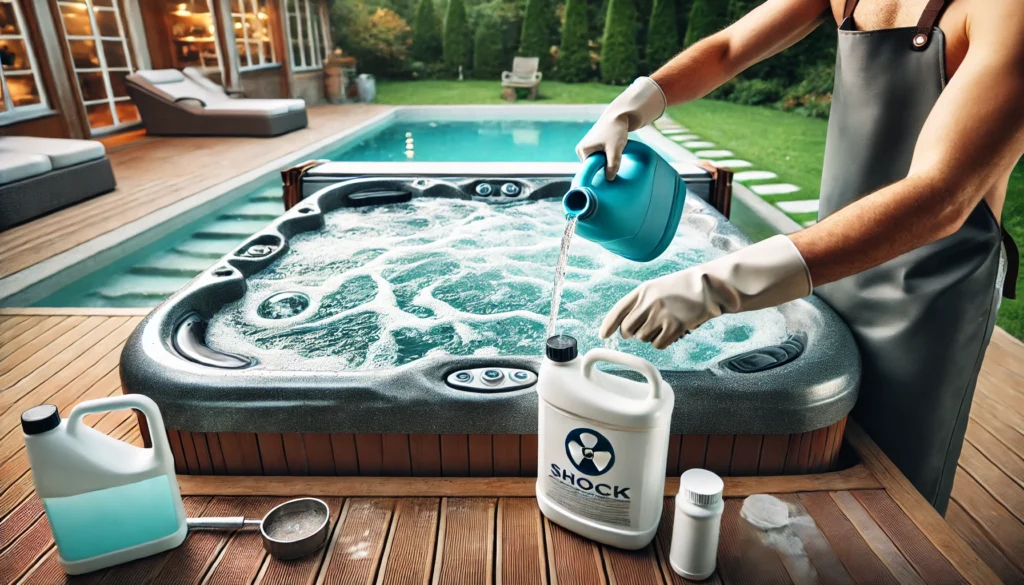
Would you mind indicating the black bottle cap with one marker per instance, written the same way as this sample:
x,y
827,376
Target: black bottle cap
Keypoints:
x,y
40,419
561,348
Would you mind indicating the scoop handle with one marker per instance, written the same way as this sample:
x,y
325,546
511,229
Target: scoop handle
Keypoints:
x,y
632,362
220,523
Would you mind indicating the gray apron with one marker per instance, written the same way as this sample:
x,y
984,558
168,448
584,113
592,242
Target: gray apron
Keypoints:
x,y
923,320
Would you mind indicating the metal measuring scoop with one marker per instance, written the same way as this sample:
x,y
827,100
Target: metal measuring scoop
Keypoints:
x,y
290,530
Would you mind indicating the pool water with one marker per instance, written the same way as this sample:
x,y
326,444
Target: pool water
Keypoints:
x,y
391,284
478,141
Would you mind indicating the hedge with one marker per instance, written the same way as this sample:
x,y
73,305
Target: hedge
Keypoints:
x,y
706,18
662,41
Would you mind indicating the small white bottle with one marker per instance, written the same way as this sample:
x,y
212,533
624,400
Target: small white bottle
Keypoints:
x,y
699,508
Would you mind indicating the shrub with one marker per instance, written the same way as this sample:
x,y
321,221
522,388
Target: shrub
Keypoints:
x,y
457,38
574,52
812,96
535,40
662,42
619,58
756,92
706,18
504,20
379,40
487,51
426,40
738,8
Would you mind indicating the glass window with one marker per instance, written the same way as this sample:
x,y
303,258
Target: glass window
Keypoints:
x,y
193,34
252,33
21,88
305,41
100,56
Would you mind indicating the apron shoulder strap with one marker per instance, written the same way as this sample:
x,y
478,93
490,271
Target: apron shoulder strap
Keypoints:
x,y
926,24
851,5
1012,266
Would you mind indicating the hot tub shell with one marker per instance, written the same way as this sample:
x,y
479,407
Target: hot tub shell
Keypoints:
x,y
405,420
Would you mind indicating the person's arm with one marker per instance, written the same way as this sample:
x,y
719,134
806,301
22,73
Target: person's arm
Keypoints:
x,y
970,143
766,30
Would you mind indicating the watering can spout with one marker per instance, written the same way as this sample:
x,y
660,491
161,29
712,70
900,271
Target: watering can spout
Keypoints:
x,y
635,216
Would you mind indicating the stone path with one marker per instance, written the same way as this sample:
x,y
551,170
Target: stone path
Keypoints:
x,y
761,179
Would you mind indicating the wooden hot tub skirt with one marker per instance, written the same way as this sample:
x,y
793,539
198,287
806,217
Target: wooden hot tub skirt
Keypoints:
x,y
348,454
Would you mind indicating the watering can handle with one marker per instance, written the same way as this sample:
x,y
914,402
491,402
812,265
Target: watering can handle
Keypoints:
x,y
624,359
157,434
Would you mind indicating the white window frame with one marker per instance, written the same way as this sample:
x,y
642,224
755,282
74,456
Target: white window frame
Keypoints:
x,y
12,113
305,35
263,62
97,39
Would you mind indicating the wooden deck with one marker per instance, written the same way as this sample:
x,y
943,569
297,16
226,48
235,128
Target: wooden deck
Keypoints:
x,y
153,173
869,525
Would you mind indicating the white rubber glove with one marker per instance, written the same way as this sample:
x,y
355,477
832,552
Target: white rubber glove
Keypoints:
x,y
642,103
662,310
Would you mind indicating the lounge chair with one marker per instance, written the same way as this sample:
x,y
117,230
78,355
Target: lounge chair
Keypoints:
x,y
40,175
524,74
172,104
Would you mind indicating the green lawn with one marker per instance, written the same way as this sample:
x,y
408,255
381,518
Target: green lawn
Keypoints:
x,y
789,145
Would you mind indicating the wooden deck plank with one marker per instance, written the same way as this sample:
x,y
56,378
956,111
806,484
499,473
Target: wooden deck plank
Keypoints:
x,y
58,352
44,325
20,520
11,335
632,567
877,540
241,558
827,566
996,451
301,571
743,557
975,536
30,348
520,558
572,559
150,176
1004,530
409,556
465,542
1002,487
915,546
23,553
847,543
358,543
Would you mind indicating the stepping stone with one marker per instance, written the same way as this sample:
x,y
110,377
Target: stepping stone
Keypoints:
x,y
665,123
684,137
805,206
778,189
731,163
673,130
810,222
753,176
714,153
699,144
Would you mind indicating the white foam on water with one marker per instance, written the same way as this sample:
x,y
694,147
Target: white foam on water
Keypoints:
x,y
394,283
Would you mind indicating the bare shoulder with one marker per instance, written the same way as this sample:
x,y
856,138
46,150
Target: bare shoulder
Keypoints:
x,y
995,24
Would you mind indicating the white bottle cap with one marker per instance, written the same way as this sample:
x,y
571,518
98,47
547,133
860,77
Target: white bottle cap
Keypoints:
x,y
701,487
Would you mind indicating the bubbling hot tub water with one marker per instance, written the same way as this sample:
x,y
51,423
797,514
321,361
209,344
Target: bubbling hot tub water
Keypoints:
x,y
380,287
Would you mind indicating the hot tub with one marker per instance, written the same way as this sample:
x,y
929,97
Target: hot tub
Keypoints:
x,y
393,325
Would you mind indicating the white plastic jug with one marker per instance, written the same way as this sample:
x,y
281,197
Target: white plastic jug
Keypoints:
x,y
107,502
603,444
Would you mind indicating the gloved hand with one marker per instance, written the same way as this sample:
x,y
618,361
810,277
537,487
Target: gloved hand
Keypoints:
x,y
642,103
662,310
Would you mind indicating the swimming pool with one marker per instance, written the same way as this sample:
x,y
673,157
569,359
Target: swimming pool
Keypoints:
x,y
147,268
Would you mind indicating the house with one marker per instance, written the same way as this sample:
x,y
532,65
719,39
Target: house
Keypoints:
x,y
63,62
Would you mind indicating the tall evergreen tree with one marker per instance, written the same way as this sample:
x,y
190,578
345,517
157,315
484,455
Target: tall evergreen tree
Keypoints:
x,y
574,52
535,40
682,17
457,39
706,18
662,41
488,53
619,56
738,8
426,39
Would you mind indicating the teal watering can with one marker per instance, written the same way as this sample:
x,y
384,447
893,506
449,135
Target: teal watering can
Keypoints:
x,y
637,214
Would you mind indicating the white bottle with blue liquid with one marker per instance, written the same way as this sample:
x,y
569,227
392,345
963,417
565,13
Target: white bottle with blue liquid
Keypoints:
x,y
107,502
603,444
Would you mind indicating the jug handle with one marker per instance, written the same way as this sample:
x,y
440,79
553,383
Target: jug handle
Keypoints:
x,y
593,164
145,404
624,359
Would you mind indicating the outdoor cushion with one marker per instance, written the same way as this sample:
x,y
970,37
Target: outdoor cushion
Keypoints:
x,y
197,76
161,76
15,166
62,152
248,107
